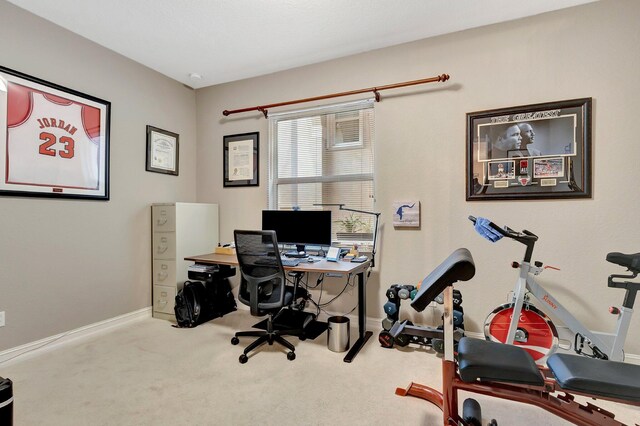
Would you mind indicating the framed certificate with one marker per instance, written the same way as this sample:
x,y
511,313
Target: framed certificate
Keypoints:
x,y
54,141
241,159
162,151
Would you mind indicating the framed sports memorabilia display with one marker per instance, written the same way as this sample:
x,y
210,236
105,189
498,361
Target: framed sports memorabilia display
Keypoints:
x,y
54,141
540,151
162,151
241,159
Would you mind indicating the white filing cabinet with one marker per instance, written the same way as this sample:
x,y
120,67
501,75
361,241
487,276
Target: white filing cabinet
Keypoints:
x,y
178,230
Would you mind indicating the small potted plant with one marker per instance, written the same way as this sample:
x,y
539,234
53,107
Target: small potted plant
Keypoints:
x,y
354,228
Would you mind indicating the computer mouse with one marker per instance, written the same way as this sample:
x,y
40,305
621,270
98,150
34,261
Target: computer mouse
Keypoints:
x,y
310,260
301,252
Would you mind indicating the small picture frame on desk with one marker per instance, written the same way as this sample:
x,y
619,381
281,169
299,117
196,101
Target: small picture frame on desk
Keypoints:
x,y
333,254
241,154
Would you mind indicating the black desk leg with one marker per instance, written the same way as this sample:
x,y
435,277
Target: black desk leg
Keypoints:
x,y
363,334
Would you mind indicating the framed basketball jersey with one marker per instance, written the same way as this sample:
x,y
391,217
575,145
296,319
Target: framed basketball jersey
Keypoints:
x,y
54,141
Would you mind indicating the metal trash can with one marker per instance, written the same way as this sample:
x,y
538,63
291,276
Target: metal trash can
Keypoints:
x,y
6,402
338,334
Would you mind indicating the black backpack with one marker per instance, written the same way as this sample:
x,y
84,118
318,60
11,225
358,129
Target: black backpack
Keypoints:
x,y
197,303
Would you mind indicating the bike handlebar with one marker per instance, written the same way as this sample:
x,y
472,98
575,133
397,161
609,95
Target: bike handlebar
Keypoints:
x,y
510,233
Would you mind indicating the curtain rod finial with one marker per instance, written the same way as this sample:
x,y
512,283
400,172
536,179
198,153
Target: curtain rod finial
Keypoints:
x,y
443,77
225,112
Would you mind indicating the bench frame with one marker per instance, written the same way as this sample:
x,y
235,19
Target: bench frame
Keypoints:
x,y
550,396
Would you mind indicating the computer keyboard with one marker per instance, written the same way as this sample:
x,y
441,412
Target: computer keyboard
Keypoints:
x,y
272,262
290,262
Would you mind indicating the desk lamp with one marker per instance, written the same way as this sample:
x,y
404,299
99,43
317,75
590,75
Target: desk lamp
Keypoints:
x,y
375,228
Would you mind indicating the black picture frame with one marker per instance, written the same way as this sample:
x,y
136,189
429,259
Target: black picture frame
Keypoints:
x,y
550,134
163,151
241,159
54,141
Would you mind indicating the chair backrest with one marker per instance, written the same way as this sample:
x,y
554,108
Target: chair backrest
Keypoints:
x,y
263,279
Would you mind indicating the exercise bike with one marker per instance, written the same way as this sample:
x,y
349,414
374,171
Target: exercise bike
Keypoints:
x,y
520,323
509,372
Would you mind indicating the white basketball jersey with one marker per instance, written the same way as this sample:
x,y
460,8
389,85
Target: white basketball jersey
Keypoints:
x,y
51,147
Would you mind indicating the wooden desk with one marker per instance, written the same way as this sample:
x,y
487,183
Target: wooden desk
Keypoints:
x,y
321,266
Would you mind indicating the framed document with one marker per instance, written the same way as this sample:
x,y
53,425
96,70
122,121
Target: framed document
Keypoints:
x,y
540,151
54,141
162,151
241,159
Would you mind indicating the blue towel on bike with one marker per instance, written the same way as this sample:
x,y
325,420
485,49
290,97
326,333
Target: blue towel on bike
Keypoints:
x,y
483,227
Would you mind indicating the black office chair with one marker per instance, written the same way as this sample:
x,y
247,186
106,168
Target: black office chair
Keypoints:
x,y
263,287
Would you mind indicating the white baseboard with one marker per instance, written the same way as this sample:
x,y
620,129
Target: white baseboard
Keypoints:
x,y
53,342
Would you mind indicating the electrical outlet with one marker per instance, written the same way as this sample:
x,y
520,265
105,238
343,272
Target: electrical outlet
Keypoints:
x,y
2,319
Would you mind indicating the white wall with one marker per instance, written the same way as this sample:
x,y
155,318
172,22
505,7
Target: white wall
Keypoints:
x,y
587,51
65,263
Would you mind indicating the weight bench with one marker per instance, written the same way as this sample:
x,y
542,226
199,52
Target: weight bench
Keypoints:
x,y
509,372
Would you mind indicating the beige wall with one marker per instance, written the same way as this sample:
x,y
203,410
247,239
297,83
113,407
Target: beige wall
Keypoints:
x,y
588,51
65,263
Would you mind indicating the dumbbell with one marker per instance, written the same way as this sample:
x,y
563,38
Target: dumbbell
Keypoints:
x,y
392,292
413,293
457,298
404,291
386,339
387,323
402,339
458,318
391,308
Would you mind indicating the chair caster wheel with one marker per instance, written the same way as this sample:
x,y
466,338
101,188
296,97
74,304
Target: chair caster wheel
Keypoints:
x,y
235,341
303,338
243,359
290,356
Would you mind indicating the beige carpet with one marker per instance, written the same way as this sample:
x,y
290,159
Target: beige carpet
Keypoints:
x,y
149,373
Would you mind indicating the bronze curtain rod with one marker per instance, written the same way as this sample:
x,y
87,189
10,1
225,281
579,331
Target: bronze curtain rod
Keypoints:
x,y
264,108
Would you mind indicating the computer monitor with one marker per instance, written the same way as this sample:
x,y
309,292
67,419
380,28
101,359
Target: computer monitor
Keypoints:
x,y
299,227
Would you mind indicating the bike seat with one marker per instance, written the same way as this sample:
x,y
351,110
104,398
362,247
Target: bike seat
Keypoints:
x,y
609,379
496,362
630,261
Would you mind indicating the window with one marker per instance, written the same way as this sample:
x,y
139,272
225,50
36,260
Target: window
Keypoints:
x,y
345,130
325,156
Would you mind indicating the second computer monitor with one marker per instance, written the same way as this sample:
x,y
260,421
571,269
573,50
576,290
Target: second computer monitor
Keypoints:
x,y
299,227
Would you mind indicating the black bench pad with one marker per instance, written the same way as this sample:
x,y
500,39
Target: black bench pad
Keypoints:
x,y
458,266
497,362
598,377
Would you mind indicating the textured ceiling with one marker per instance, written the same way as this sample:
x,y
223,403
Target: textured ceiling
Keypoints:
x,y
227,40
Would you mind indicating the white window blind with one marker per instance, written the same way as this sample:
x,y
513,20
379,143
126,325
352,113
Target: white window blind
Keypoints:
x,y
325,156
